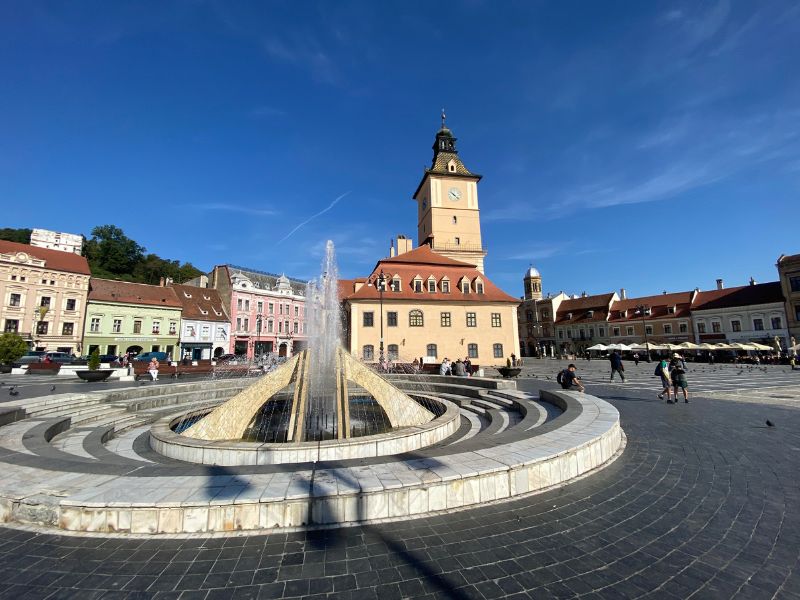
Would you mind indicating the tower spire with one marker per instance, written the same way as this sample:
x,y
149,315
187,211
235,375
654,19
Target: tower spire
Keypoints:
x,y
444,117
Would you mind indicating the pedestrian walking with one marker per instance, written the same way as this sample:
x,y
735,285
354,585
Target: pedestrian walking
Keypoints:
x,y
662,371
636,358
152,368
616,365
568,378
468,366
677,372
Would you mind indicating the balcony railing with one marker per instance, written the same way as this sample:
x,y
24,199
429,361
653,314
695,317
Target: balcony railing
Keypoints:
x,y
450,246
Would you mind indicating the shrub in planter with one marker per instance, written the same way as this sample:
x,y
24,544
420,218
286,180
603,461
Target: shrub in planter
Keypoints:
x,y
12,347
94,360
94,372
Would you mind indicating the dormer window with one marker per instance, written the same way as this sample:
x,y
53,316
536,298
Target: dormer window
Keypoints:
x,y
451,166
207,298
396,284
417,284
187,295
590,314
205,312
478,286
569,316
671,310
445,285
431,285
465,289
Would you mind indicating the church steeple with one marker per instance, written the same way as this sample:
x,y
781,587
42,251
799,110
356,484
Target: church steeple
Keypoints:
x,y
445,142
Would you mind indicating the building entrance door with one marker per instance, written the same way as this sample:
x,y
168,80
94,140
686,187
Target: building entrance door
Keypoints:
x,y
282,349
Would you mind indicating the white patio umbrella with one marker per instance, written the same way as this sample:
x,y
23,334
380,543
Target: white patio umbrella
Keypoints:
x,y
598,347
721,346
706,346
650,346
757,346
624,348
740,346
688,346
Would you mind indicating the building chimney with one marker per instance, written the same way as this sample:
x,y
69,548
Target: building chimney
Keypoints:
x,y
391,249
583,294
720,284
752,281
623,295
161,282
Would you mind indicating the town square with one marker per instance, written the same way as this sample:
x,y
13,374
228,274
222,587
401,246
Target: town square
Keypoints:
x,y
250,349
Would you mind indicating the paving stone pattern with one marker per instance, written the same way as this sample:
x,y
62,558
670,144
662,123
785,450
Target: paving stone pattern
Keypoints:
x,y
703,503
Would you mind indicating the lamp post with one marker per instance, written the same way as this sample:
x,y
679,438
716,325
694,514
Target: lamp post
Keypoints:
x,y
381,288
641,310
259,316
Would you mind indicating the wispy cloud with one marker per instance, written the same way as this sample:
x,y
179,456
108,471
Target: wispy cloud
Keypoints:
x,y
265,112
312,217
306,52
235,208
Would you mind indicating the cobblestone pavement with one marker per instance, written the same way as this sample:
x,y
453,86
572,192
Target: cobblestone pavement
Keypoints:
x,y
703,503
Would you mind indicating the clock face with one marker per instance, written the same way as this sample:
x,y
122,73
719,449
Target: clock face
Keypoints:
x,y
454,193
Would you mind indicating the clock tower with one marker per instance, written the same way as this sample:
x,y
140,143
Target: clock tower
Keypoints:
x,y
448,218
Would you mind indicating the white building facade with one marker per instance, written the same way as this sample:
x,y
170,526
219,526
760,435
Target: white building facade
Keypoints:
x,y
56,240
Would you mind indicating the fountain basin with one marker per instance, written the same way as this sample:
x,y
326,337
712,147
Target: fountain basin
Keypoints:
x,y
235,452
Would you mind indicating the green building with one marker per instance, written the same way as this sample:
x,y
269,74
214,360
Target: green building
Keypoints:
x,y
124,317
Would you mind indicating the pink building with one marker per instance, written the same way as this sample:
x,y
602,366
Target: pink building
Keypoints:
x,y
267,311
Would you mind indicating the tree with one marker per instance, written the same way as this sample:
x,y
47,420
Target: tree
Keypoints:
x,y
94,360
12,347
111,251
21,236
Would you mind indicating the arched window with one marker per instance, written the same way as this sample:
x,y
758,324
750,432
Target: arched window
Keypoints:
x,y
368,352
415,318
393,351
472,350
430,350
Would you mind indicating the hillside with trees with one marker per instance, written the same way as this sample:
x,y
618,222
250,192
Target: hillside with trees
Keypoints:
x,y
113,255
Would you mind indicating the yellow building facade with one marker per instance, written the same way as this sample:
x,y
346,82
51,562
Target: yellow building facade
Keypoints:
x,y
434,301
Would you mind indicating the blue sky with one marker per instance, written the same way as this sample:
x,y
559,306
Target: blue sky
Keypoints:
x,y
646,145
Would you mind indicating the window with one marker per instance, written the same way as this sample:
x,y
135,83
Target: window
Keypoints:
x,y
117,326
496,320
758,324
238,324
45,301
286,326
418,286
472,350
396,284
369,319
472,320
296,311
415,318
12,326
529,315
629,330
545,314
455,220
458,241
247,305
270,326
794,283
701,328
280,309
776,322
156,327
601,332
42,327
15,300
296,326
432,286
112,350
173,327
560,334
716,327
430,350
271,308
479,288
445,285
683,328
260,307
569,333
393,351
239,304
94,325
648,329
137,326
616,332
736,325
71,303
280,326
391,319
246,323
497,350
667,329
444,319
671,310
464,286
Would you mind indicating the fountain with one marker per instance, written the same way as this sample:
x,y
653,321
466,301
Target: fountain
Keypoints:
x,y
321,403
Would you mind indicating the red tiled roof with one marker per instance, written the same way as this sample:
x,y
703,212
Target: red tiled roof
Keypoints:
x,y
107,290
580,307
54,259
659,306
195,300
746,295
424,262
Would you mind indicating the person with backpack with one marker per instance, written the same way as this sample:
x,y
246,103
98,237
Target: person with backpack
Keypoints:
x,y
662,371
677,372
616,365
569,378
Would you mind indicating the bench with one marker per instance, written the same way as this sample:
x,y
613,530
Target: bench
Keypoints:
x,y
178,369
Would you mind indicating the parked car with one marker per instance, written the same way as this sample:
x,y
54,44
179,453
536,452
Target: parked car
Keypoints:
x,y
58,357
109,358
159,356
33,356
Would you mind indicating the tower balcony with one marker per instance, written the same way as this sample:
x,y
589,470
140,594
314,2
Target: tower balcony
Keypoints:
x,y
451,247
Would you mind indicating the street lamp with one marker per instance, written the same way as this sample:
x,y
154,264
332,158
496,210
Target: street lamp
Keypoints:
x,y
381,289
641,310
259,316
